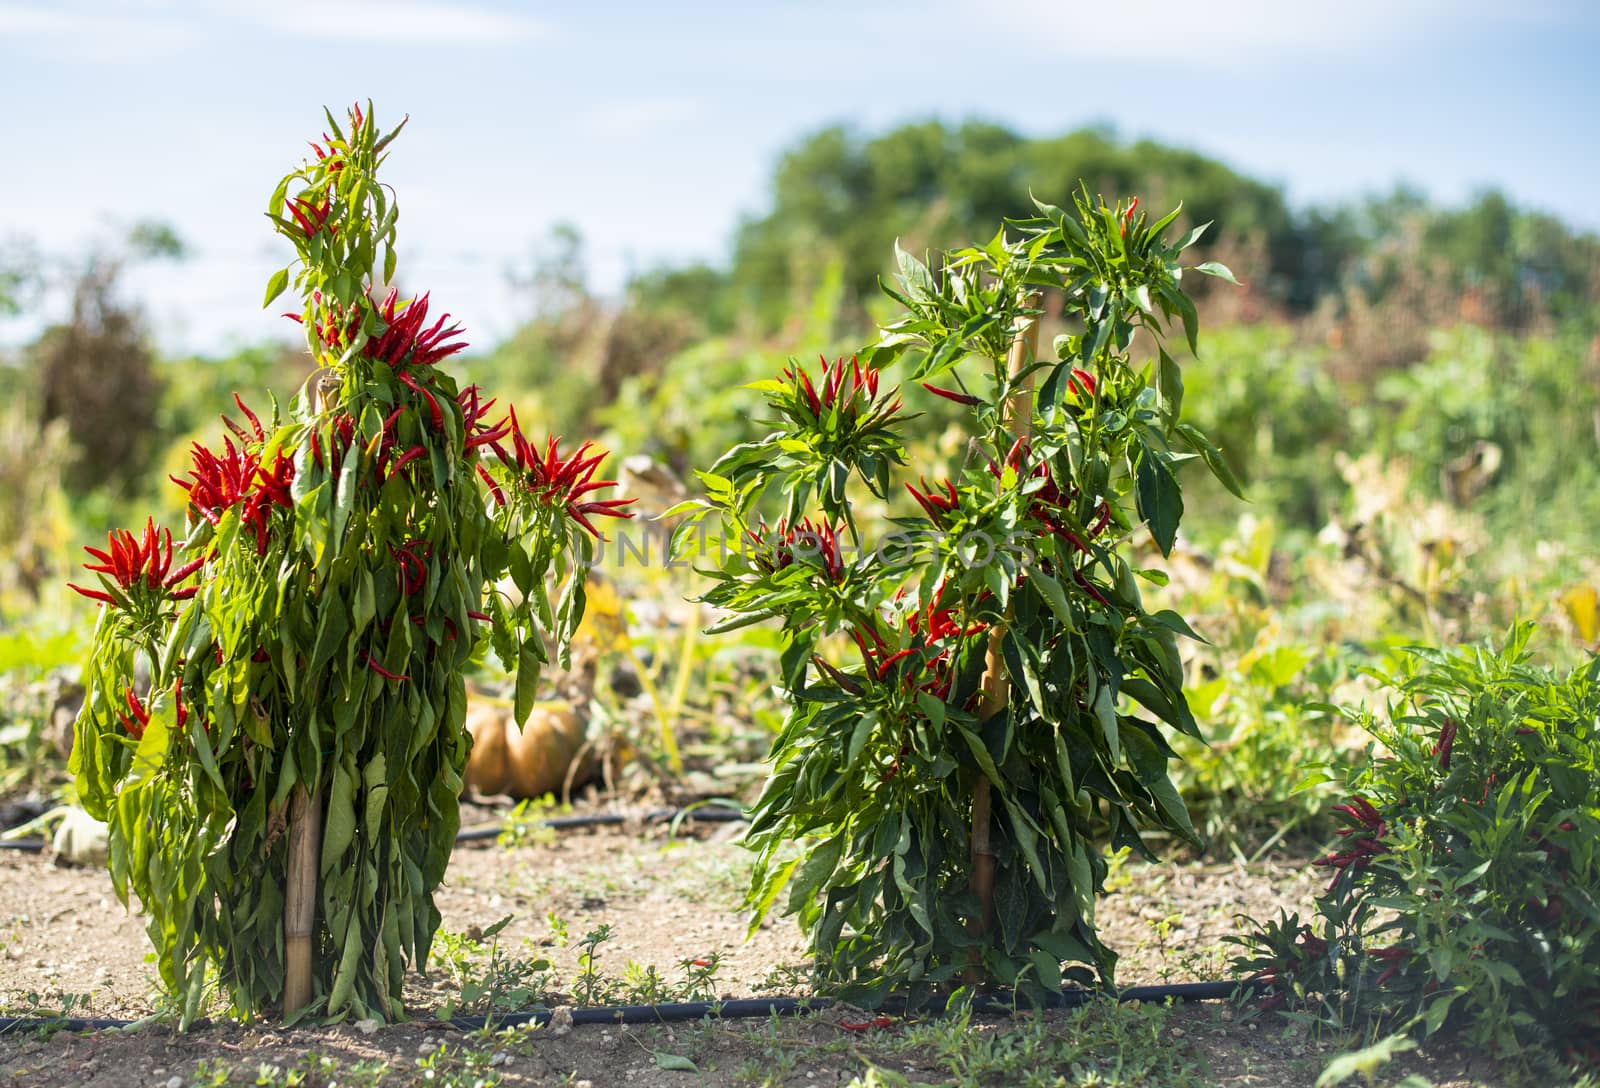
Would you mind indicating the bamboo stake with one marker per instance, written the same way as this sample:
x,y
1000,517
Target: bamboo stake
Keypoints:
x,y
996,685
300,897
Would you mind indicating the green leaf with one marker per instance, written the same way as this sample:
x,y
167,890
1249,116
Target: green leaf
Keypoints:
x,y
339,827
1365,1062
815,873
1219,270
773,884
1171,621
1160,499
275,286
1191,322
1170,383
529,665
859,737
1212,457
675,1062
1193,235
918,280
1054,596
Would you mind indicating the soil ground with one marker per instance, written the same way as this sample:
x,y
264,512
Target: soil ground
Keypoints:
x,y
65,941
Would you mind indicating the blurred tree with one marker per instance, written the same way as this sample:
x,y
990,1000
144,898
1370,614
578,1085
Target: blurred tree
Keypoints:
x,y
838,194
96,371
698,292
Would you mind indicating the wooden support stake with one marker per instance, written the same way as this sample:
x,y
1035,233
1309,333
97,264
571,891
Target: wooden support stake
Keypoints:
x,y
996,686
300,897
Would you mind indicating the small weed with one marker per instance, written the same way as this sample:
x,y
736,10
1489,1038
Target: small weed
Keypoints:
x,y
503,984
786,979
644,985
463,1067
44,1007
590,987
700,981
525,824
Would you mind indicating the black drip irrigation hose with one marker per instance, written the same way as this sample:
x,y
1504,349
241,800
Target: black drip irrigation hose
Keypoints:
x,y
758,1008
709,814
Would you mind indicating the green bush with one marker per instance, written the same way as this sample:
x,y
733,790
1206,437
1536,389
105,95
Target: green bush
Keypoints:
x,y
1466,891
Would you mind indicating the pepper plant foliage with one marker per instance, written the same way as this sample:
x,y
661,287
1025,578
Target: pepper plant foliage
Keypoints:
x,y
1022,556
1465,889
338,572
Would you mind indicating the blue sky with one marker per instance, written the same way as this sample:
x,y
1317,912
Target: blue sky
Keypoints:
x,y
654,127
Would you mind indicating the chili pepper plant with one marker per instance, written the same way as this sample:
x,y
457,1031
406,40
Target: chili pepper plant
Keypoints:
x,y
979,698
1465,889
294,664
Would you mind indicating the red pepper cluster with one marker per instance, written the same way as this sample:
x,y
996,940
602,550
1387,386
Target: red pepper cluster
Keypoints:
x,y
129,561
777,550
344,431
405,341
310,217
413,558
322,154
1048,506
935,501
240,479
934,632
1395,956
850,389
555,480
1307,946
137,724
337,327
475,421
1369,828
863,385
1447,740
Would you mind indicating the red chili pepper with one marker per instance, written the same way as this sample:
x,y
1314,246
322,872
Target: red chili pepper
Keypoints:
x,y
95,594
372,663
255,421
406,458
494,488
141,717
933,503
951,394
434,410
888,662
1105,519
1447,740
479,616
1089,587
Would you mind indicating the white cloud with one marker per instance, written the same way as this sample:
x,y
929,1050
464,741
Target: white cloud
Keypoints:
x,y
131,32
417,22
1227,33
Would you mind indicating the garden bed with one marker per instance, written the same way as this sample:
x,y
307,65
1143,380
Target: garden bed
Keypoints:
x,y
67,943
